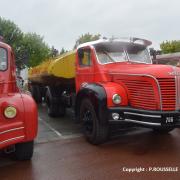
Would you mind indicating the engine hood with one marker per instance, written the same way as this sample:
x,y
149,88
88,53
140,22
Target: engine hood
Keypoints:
x,y
156,70
143,90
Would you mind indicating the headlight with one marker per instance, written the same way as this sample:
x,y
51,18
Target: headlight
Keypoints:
x,y
115,116
10,112
116,99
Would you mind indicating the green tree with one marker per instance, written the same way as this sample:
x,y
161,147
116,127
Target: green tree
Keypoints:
x,y
170,46
30,48
34,49
63,51
86,38
12,35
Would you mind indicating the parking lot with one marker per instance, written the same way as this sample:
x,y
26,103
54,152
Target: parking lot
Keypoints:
x,y
61,152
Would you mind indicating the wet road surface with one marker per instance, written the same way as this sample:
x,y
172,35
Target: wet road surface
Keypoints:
x,y
61,153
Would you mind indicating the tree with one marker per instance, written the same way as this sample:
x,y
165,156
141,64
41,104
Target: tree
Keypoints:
x,y
34,49
30,49
11,34
63,51
86,38
170,46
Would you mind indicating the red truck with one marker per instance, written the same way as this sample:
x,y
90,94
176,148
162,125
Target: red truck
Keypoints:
x,y
115,82
18,117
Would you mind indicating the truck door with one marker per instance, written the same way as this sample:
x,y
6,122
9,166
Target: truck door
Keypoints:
x,y
84,68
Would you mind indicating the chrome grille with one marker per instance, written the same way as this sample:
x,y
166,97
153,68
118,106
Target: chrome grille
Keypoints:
x,y
141,93
177,78
168,93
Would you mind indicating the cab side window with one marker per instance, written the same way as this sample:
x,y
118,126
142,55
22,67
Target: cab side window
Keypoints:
x,y
84,57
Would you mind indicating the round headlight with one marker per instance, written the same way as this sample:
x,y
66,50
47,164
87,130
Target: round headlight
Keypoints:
x,y
115,116
10,112
116,99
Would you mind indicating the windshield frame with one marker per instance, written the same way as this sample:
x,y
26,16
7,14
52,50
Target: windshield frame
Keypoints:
x,y
127,57
2,70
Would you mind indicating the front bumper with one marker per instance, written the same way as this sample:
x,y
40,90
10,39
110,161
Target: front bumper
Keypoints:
x,y
144,117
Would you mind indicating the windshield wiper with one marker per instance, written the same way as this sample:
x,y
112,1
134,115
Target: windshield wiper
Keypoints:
x,y
109,56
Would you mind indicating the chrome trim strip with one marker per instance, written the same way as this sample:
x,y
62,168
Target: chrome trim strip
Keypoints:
x,y
10,130
142,122
144,115
15,138
137,122
176,85
175,78
177,81
147,75
178,92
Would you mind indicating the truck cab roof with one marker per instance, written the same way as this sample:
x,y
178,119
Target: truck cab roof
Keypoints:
x,y
119,41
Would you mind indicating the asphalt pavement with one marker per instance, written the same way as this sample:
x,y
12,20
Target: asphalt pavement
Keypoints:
x,y
62,153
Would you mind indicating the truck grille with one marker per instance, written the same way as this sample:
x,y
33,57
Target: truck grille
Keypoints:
x,y
168,93
177,92
141,94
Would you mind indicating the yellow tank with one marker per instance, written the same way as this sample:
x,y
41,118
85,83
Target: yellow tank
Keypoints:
x,y
62,67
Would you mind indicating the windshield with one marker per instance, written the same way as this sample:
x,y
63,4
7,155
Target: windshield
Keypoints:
x,y
3,59
116,52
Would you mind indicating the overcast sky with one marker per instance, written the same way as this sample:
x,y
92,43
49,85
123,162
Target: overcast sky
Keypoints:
x,y
61,22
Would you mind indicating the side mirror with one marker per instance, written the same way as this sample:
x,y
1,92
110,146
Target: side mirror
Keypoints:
x,y
153,52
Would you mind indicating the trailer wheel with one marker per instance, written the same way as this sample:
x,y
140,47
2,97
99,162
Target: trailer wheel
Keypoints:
x,y
94,132
62,110
24,151
54,108
36,93
162,130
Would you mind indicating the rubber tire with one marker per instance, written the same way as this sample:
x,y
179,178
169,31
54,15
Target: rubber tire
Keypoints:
x,y
162,130
62,110
54,108
36,94
24,151
100,132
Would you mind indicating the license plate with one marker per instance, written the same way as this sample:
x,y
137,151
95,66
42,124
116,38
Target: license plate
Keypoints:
x,y
169,120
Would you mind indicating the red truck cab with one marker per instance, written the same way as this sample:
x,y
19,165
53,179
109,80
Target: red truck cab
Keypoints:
x,y
18,117
116,82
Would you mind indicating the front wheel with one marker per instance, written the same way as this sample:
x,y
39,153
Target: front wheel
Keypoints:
x,y
94,131
24,151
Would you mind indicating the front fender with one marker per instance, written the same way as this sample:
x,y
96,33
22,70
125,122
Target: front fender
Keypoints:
x,y
30,117
101,97
97,95
112,88
21,128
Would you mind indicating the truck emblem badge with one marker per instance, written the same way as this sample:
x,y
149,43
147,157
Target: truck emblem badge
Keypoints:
x,y
174,73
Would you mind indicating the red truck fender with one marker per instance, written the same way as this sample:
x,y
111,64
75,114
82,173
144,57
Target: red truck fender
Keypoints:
x,y
101,97
23,127
30,117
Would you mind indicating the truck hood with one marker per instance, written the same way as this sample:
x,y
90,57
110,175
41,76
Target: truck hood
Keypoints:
x,y
143,92
156,70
